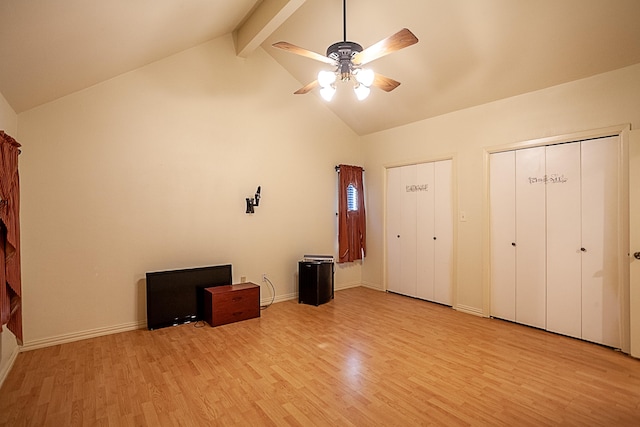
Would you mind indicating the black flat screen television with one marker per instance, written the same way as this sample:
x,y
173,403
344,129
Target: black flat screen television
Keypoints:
x,y
177,296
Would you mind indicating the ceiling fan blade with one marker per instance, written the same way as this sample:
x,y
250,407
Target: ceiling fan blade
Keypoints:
x,y
306,89
385,83
399,40
303,52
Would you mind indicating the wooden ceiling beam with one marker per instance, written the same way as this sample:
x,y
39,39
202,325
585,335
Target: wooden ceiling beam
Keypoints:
x,y
263,21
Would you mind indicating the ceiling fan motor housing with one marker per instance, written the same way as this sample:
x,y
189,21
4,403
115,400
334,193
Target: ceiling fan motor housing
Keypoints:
x,y
342,52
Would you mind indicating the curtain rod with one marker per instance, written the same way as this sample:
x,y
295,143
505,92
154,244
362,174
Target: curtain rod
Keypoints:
x,y
338,169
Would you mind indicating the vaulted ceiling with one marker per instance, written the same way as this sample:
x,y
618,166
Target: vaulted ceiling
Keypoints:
x,y
469,53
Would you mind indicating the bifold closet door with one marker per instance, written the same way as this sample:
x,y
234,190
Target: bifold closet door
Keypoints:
x,y
517,213
408,242
394,261
443,232
583,291
600,280
420,231
555,239
530,237
401,230
564,228
425,231
502,193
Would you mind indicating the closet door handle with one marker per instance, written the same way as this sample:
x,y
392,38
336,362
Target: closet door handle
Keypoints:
x,y
513,244
583,249
636,255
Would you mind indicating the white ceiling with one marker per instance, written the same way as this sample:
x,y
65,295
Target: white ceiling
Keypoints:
x,y
470,51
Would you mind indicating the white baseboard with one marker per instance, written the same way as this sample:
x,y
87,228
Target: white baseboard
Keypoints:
x,y
279,298
7,367
469,310
374,286
294,295
82,335
347,286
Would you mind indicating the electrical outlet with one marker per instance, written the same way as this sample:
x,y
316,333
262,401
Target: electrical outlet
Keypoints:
x,y
264,277
243,279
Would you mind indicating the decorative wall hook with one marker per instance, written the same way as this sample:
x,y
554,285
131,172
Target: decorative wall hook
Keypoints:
x,y
253,201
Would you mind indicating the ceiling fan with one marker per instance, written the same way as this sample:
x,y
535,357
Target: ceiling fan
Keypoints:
x,y
348,58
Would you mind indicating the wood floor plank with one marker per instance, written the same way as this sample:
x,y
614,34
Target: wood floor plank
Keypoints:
x,y
366,358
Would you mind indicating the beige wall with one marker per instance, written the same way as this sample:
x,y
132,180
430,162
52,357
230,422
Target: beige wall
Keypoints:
x,y
601,101
8,118
8,345
150,171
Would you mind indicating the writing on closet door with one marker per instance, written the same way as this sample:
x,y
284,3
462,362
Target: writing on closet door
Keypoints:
x,y
414,188
548,179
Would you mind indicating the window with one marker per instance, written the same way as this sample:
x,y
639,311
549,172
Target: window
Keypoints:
x,y
352,198
352,234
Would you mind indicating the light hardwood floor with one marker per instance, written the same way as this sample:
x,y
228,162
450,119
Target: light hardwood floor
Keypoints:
x,y
367,358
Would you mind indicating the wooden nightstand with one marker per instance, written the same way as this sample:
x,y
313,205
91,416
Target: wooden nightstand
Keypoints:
x,y
231,303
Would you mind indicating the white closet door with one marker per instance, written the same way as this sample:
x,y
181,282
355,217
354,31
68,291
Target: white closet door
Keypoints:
x,y
443,232
394,261
408,242
502,221
530,237
600,284
564,283
425,230
420,231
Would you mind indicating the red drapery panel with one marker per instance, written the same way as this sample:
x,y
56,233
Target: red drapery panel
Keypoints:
x,y
352,233
10,281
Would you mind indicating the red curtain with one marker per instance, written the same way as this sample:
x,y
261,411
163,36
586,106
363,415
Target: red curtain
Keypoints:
x,y
10,280
352,233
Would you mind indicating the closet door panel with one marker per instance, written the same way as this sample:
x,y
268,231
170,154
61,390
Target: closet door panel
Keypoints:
x,y
425,244
502,222
530,240
394,261
600,282
564,283
443,217
408,243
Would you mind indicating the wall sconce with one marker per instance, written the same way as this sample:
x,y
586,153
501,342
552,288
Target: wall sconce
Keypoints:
x,y
254,201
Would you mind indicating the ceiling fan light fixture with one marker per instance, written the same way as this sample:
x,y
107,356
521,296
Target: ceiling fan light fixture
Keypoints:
x,y
326,78
362,92
364,76
348,57
327,92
